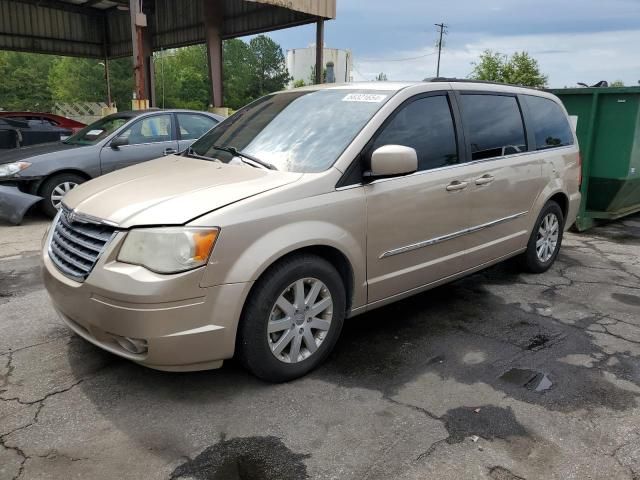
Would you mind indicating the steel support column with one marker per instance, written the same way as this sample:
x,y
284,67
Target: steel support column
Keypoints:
x,y
213,23
149,74
319,50
142,54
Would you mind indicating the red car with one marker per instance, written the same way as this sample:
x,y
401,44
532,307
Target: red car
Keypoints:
x,y
50,118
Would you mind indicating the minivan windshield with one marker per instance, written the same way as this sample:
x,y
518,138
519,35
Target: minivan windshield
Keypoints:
x,y
298,131
98,130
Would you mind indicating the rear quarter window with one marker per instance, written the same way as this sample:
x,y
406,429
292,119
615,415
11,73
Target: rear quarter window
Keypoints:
x,y
549,122
493,125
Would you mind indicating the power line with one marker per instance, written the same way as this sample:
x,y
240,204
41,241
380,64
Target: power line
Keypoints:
x,y
443,31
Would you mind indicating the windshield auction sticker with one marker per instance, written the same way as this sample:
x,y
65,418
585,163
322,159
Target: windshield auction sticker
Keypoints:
x,y
364,97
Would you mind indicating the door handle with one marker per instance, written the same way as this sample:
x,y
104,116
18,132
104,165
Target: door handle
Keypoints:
x,y
169,151
485,179
456,185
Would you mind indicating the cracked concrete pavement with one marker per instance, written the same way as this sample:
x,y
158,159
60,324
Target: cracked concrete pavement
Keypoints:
x,y
448,384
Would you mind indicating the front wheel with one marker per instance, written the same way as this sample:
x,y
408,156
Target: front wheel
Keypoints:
x,y
54,188
292,319
546,238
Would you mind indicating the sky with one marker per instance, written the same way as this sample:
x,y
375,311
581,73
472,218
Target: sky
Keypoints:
x,y
573,41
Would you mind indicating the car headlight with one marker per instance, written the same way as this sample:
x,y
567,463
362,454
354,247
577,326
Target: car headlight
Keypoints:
x,y
12,168
168,249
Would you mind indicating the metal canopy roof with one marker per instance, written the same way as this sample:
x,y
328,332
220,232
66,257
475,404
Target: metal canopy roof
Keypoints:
x,y
102,28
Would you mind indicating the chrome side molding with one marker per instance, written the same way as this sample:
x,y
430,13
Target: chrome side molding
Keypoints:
x,y
450,236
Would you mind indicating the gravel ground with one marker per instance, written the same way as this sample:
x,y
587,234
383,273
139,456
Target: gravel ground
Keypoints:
x,y
500,375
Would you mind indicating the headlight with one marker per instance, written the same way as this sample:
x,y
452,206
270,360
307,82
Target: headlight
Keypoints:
x,y
169,249
13,168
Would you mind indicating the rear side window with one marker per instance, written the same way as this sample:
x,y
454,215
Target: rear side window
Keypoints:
x,y
193,126
550,124
427,126
493,125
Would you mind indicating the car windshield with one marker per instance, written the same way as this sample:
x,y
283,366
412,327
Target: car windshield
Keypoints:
x,y
298,131
98,130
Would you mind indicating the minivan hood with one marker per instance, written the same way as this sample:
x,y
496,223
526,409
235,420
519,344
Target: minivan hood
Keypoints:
x,y
171,190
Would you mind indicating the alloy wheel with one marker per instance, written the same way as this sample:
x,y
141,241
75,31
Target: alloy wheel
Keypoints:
x,y
300,320
547,239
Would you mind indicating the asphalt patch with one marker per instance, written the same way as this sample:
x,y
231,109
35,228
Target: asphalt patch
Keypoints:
x,y
395,345
487,421
247,458
19,276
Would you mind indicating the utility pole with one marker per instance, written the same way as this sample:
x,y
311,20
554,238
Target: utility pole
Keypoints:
x,y
443,31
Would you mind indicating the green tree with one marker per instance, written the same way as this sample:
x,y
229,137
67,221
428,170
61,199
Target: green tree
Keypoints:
x,y
519,69
83,80
24,83
269,72
182,78
238,61
250,71
617,83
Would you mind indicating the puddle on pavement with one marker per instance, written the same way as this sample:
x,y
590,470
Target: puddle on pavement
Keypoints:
x,y
529,379
249,458
485,421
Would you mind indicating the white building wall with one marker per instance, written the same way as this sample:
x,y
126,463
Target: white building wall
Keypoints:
x,y
300,62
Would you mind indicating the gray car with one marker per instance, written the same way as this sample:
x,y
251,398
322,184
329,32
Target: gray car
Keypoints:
x,y
113,142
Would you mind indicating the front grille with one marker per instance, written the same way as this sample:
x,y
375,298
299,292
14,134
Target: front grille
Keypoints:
x,y
76,245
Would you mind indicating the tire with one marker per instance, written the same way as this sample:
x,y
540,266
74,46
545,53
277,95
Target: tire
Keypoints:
x,y
50,194
532,260
259,350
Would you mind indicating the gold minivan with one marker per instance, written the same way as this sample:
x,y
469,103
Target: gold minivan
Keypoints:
x,y
304,208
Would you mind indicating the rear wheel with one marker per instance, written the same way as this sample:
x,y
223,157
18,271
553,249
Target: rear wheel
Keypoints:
x,y
55,188
292,319
546,238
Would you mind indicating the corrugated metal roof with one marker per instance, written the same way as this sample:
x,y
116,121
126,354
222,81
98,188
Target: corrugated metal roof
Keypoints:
x,y
318,8
84,27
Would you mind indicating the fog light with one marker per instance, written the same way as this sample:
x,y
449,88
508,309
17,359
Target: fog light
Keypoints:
x,y
133,345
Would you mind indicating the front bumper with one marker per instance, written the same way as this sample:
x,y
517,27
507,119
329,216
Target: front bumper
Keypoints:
x,y
15,203
183,326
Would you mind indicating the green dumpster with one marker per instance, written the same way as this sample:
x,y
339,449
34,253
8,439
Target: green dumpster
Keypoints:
x,y
609,135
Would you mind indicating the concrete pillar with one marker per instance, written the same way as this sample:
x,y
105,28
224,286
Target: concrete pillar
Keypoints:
x,y
319,50
213,11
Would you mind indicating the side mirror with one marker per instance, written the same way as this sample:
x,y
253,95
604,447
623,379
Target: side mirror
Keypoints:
x,y
392,160
119,142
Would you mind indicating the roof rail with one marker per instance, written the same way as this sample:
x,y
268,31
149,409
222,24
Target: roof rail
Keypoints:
x,y
468,80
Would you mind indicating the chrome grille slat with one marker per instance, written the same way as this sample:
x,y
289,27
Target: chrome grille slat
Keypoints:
x,y
94,232
64,268
79,264
73,249
75,246
68,234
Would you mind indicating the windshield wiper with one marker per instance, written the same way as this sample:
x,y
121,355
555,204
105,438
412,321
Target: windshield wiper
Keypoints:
x,y
190,153
245,156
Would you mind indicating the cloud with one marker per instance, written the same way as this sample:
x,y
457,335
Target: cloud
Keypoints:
x,y
573,40
566,58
